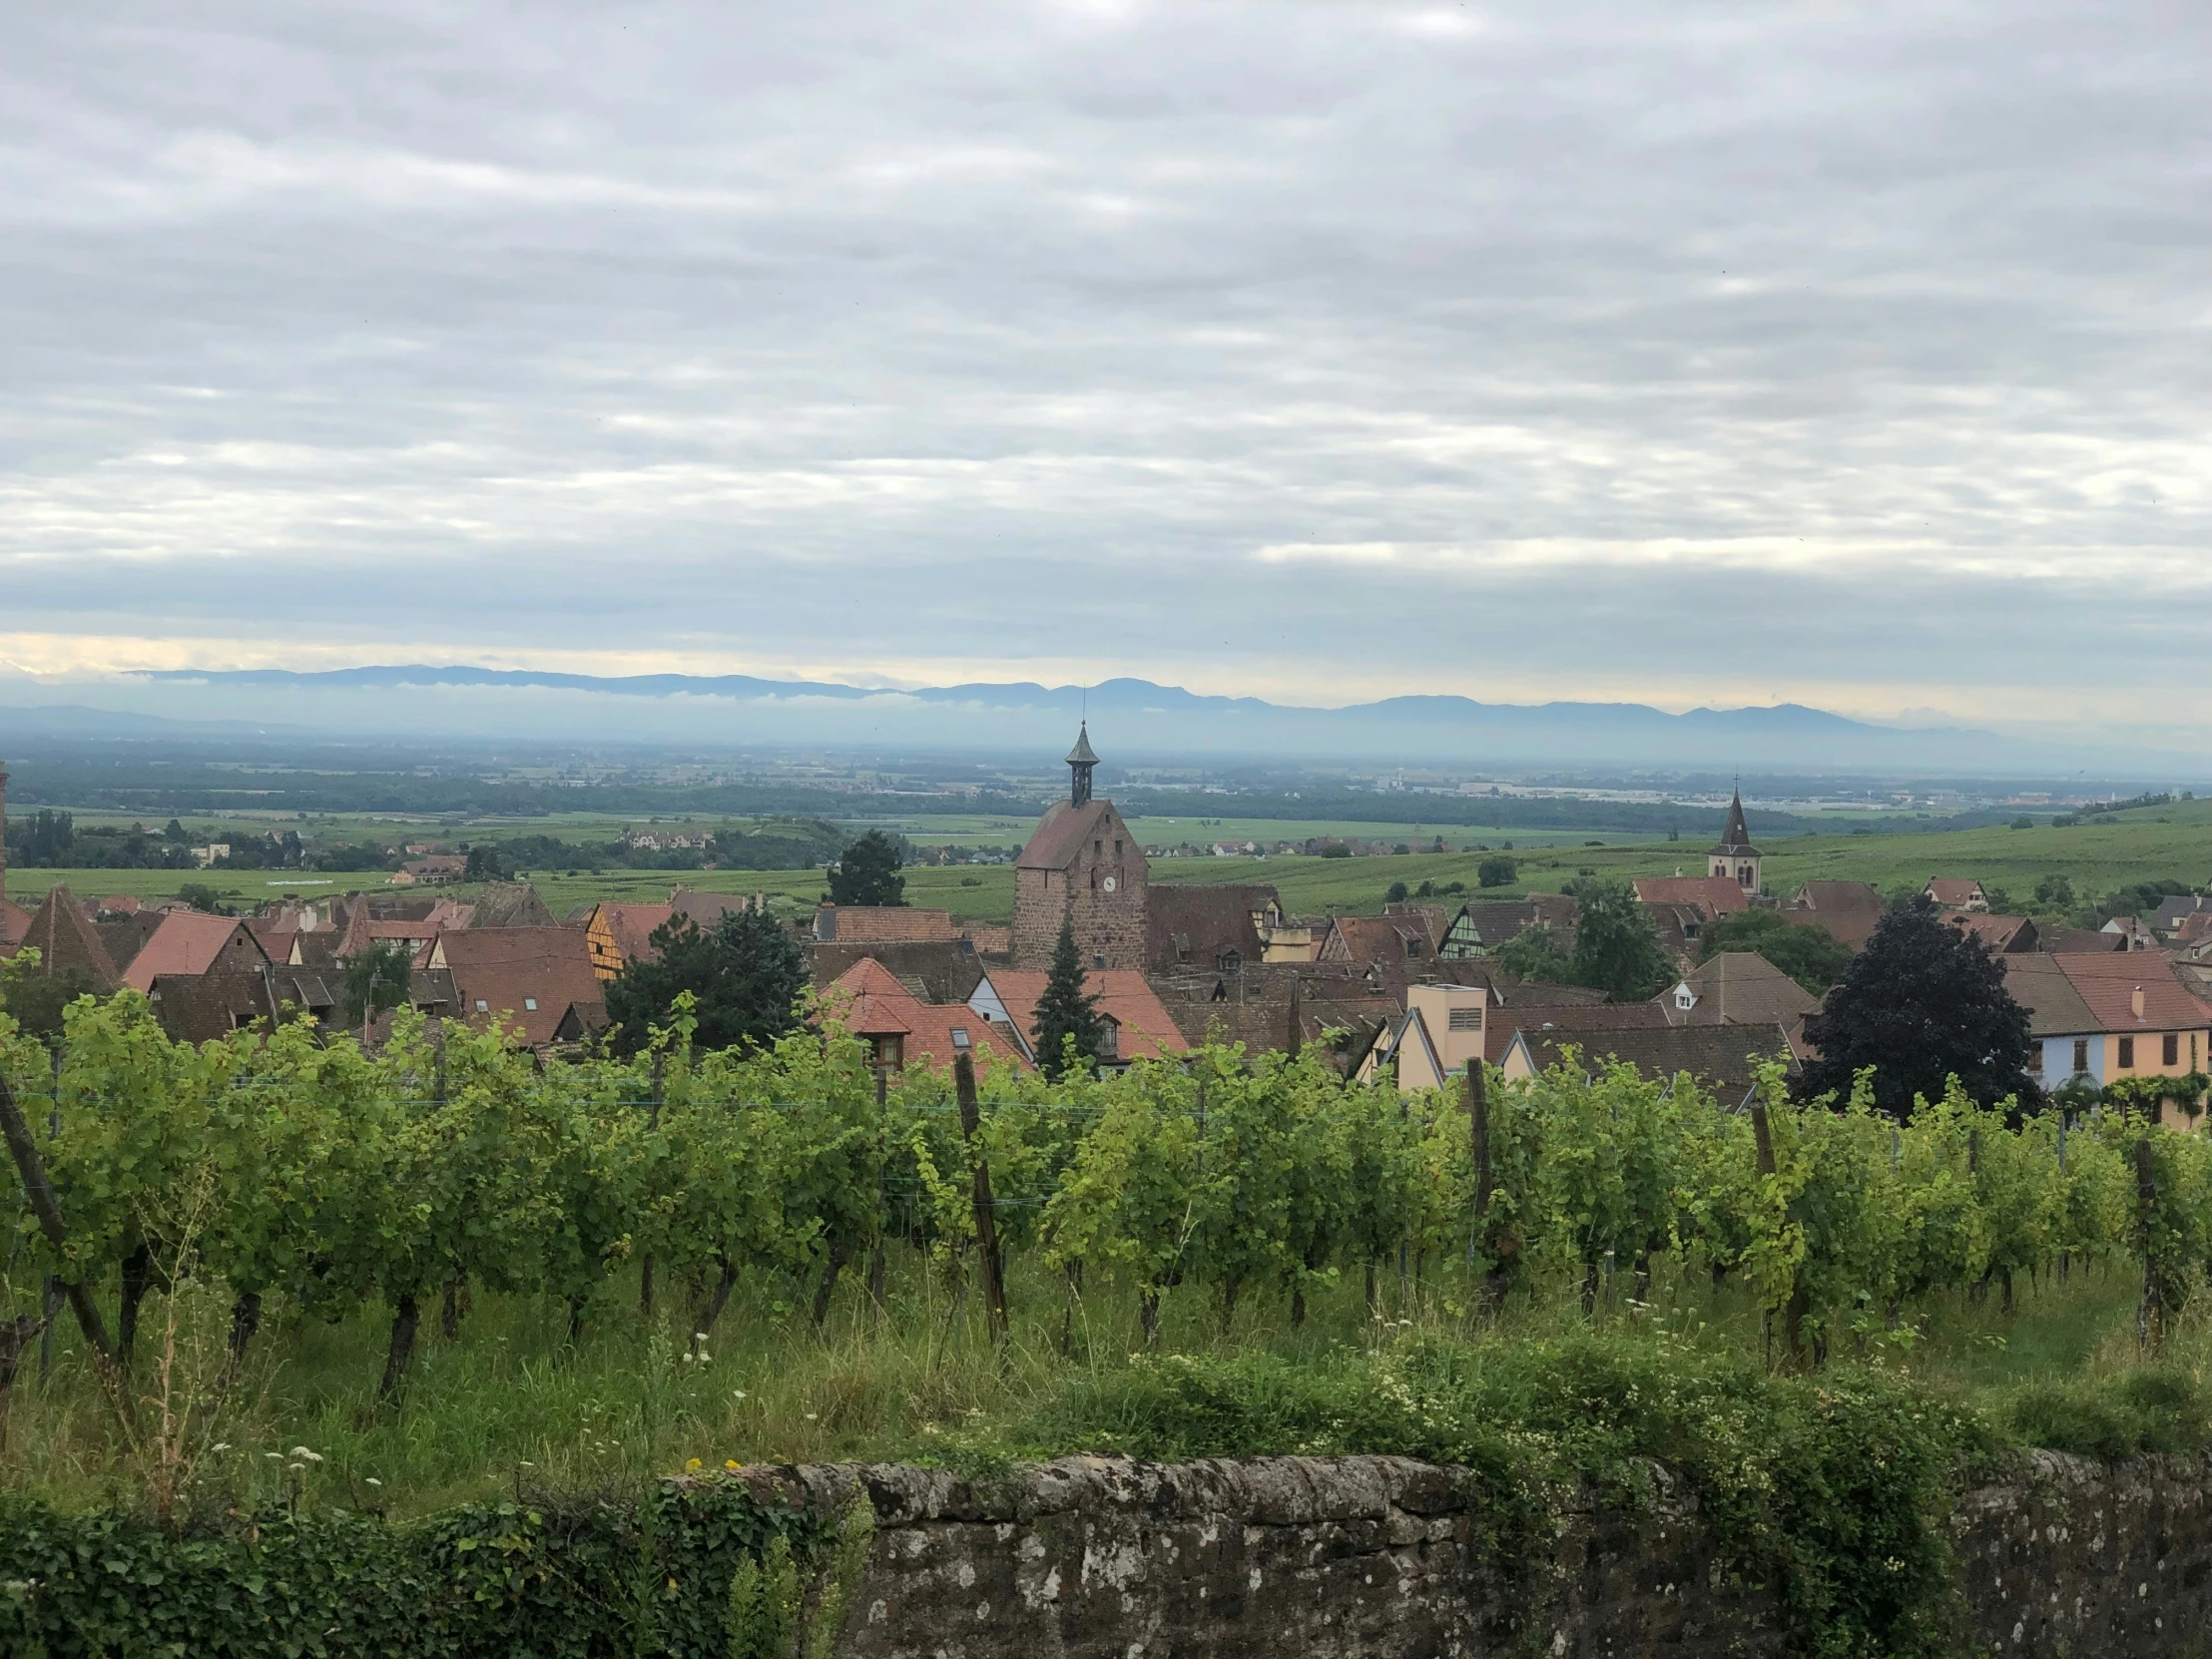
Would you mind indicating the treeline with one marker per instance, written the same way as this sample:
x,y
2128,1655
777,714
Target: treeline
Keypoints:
x,y
346,1182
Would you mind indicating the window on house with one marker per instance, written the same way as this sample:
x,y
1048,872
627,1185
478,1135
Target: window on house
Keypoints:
x,y
1098,849
1413,947
1464,1019
529,1004
2081,1055
1099,962
2170,1046
1685,998
1109,1038
1117,847
960,1037
2127,1054
891,1049
1229,961
482,1007
2036,1059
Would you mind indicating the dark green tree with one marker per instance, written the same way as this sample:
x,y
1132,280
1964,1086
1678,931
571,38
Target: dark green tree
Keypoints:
x,y
1396,893
1498,870
1922,1004
1537,953
745,974
487,862
867,872
200,896
1616,948
175,833
35,1000
2055,893
1813,956
376,982
1066,1010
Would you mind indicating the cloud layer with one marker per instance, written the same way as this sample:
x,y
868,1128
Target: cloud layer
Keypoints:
x,y
1855,356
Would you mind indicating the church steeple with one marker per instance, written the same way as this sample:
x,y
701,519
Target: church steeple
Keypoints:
x,y
1080,761
1735,858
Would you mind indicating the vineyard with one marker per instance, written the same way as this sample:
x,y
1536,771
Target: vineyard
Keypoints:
x,y
315,1187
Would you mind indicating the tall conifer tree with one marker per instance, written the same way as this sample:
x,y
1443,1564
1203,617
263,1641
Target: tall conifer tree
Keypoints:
x,y
1066,1009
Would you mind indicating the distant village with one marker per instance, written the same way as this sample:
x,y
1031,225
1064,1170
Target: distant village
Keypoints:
x,y
1414,993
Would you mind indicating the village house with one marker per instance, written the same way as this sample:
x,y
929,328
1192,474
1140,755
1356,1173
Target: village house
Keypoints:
x,y
1741,987
1723,1060
1948,895
881,924
1851,911
1430,1043
1135,1024
2106,1016
619,934
437,870
190,944
902,1029
537,982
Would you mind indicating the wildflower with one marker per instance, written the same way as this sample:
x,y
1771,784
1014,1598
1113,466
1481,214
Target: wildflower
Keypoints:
x,y
273,1454
373,1481
691,1463
704,1357
296,1469
699,1335
302,1452
686,1358
737,1393
730,1463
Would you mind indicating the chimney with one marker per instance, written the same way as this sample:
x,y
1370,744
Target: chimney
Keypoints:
x,y
2136,1002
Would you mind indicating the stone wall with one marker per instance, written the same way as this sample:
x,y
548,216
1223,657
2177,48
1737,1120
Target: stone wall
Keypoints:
x,y
1353,1558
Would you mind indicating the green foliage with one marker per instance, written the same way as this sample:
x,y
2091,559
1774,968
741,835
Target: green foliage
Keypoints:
x,y
376,979
1396,893
1498,870
867,872
488,862
1067,1015
2152,1411
2055,893
546,1578
1616,949
763,1604
744,976
203,897
37,1000
1537,953
1813,956
1924,1002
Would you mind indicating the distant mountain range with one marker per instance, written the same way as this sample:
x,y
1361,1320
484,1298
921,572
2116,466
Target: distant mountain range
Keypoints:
x,y
1133,723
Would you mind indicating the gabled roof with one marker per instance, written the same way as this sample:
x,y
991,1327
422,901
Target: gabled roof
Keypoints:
x,y
1187,924
1951,895
1595,1021
505,904
882,924
1848,909
1148,1030
504,970
1722,1058
190,943
1714,895
14,923
707,908
1999,933
2174,911
1387,938
1058,839
2087,994
2073,942
1735,838
632,928
65,939
868,1000
946,970
1742,987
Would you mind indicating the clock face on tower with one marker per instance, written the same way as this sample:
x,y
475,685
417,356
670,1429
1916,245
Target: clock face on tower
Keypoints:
x,y
1110,883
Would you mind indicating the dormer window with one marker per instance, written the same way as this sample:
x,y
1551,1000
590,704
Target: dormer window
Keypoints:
x,y
1685,998
529,1004
960,1039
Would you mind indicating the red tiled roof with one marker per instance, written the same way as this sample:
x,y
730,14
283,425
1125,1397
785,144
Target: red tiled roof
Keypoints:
x,y
868,1000
2107,985
1716,895
881,924
65,939
502,971
632,928
189,942
1147,1029
1998,932
1848,909
1387,938
1060,835
14,921
119,904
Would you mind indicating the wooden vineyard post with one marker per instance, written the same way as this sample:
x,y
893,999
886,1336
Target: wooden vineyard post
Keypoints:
x,y
2150,1314
38,1192
986,1223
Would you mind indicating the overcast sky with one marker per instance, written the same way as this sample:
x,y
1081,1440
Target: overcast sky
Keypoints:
x,y
1853,354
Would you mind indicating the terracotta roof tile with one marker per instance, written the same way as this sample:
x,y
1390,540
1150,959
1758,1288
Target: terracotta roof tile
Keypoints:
x,y
1147,1029
535,977
881,924
1715,895
1060,835
869,1001
189,942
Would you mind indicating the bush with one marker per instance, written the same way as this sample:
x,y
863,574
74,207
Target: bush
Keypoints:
x,y
1496,870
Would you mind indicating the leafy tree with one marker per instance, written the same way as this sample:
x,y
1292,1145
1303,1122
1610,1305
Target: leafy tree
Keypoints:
x,y
867,872
36,1000
200,896
487,863
175,833
376,978
1813,956
1922,1004
1498,870
2055,893
1396,893
1535,953
745,975
1066,1012
1616,948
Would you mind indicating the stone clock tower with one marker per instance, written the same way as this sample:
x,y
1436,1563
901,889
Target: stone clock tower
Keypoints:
x,y
1081,867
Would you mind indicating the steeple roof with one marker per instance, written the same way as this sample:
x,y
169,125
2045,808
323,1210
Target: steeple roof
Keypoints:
x,y
1081,754
1736,839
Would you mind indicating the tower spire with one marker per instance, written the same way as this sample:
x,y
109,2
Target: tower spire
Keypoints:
x,y
1080,761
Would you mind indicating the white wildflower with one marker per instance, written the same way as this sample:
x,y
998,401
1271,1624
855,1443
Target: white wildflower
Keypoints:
x,y
373,1481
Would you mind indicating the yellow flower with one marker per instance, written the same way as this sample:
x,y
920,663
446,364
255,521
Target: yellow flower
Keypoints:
x,y
691,1462
730,1463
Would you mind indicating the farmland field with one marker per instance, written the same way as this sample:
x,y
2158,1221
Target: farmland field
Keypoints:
x,y
2144,845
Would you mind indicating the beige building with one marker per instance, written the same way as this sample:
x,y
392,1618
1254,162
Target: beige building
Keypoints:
x,y
1431,1042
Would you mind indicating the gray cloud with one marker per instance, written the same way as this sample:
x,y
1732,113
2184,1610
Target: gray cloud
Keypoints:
x,y
1854,355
